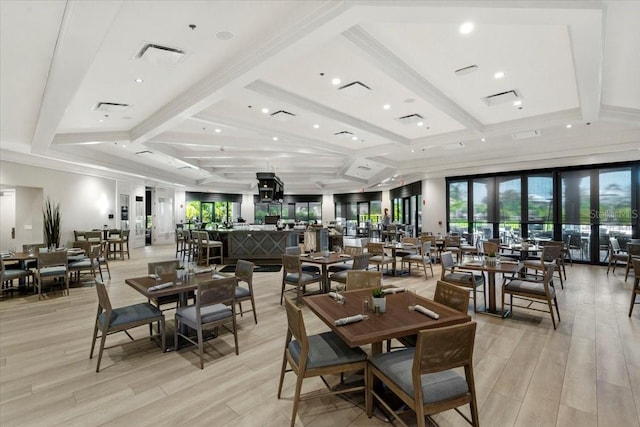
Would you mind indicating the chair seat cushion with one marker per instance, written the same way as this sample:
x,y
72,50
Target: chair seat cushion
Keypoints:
x,y
327,349
524,286
77,258
210,313
15,274
306,277
417,258
378,259
242,292
339,267
397,365
85,263
313,269
131,313
463,278
536,264
53,271
340,276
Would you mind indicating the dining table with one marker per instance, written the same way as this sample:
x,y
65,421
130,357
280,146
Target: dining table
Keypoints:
x,y
504,267
394,247
397,321
524,251
22,259
324,262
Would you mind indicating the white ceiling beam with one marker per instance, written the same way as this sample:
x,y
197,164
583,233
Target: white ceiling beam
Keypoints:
x,y
84,26
620,114
89,138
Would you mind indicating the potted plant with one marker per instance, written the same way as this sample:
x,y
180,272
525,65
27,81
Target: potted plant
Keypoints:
x,y
491,258
379,300
51,217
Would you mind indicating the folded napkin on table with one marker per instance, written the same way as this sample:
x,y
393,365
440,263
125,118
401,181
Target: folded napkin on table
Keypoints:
x,y
345,256
217,276
336,295
427,312
393,290
318,257
154,276
202,270
304,254
161,286
347,320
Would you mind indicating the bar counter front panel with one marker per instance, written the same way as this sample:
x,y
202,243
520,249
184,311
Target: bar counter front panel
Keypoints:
x,y
256,245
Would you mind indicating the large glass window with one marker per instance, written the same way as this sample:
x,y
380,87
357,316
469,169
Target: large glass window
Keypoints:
x,y
481,225
576,213
458,206
509,205
615,213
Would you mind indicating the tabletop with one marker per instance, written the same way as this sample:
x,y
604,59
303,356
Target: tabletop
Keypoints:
x,y
398,321
317,258
142,284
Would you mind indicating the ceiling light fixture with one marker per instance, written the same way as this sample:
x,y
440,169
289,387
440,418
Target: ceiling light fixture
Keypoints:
x,y
139,80
568,126
354,138
517,103
218,130
275,138
498,75
420,124
265,110
336,81
483,140
316,126
466,28
386,106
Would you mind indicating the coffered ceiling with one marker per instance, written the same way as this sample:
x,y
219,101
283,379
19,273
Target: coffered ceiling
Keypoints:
x,y
331,96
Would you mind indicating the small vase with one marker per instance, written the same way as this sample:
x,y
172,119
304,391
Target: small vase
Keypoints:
x,y
379,305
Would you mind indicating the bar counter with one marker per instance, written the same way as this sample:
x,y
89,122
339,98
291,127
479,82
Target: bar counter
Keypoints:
x,y
263,246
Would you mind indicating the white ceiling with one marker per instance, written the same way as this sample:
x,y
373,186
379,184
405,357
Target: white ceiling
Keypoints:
x,y
199,123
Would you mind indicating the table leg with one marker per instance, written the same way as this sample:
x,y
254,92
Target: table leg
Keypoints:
x,y
326,283
491,309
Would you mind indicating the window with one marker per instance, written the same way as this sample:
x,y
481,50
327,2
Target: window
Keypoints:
x,y
614,214
540,206
458,206
509,205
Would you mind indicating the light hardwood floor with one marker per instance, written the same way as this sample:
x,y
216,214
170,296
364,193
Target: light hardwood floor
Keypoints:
x,y
586,373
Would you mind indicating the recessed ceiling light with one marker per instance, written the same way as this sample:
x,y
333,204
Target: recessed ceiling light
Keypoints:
x,y
386,106
466,28
355,138
483,140
336,81
420,124
316,126
517,103
101,120
413,151
224,35
568,126
139,80
275,138
218,130
265,110
498,75
124,146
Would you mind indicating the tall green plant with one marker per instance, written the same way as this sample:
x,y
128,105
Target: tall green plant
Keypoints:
x,y
51,215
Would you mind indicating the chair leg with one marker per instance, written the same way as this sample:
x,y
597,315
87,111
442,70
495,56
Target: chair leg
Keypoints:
x,y
282,371
553,318
253,306
296,399
200,347
93,342
103,338
633,300
555,300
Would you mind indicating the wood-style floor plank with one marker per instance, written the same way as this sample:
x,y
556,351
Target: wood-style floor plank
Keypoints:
x,y
587,372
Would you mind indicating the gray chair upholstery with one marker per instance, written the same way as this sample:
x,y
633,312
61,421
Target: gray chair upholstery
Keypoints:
x,y
424,377
52,266
423,259
465,279
111,320
377,255
292,275
295,250
215,306
316,355
8,276
87,264
360,262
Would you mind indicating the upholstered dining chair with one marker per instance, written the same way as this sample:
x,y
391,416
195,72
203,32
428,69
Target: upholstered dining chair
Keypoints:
x,y
534,291
52,266
292,275
215,307
87,264
551,255
424,377
307,268
633,252
165,267
636,284
377,255
8,276
360,262
466,279
347,265
244,273
616,255
103,258
363,279
110,320
420,259
316,356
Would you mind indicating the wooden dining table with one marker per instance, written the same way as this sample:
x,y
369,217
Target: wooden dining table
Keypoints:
x,y
324,262
504,267
397,321
394,248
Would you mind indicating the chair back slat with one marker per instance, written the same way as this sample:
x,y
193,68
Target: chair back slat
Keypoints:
x,y
353,250
293,250
363,279
633,249
216,291
446,258
360,262
489,247
375,248
296,326
444,348
52,259
104,303
452,296
244,270
166,266
291,264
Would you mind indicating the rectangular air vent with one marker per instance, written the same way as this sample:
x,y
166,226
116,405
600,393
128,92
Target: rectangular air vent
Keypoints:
x,y
355,89
527,134
283,116
364,168
455,146
411,119
111,107
466,70
345,134
144,152
502,97
160,55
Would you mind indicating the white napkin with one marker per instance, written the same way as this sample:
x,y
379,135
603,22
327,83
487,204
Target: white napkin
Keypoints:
x,y
345,256
318,257
393,290
202,270
154,276
217,276
347,320
336,295
304,254
161,286
427,312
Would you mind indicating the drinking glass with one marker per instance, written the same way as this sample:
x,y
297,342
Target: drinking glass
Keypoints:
x,y
411,298
365,307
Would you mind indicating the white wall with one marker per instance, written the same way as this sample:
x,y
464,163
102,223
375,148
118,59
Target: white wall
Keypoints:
x,y
7,219
434,208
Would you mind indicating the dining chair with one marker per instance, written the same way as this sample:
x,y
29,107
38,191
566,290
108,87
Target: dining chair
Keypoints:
x,y
215,307
52,266
636,284
377,255
633,252
115,240
103,258
161,268
421,259
209,249
293,275
347,264
87,265
363,279
466,279
550,256
412,241
180,242
244,273
360,262
110,320
317,356
7,276
424,377
616,254
534,292
296,250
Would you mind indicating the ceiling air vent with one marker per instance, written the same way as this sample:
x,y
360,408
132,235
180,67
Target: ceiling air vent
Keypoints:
x,y
283,116
345,134
455,146
144,152
502,97
355,89
410,119
527,134
111,107
465,70
160,55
